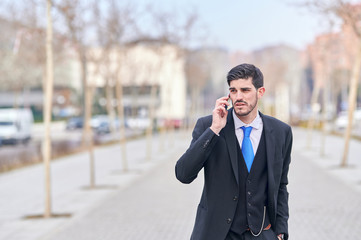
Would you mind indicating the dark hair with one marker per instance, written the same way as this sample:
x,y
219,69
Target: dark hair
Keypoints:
x,y
244,71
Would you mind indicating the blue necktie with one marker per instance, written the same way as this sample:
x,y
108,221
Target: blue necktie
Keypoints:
x,y
247,149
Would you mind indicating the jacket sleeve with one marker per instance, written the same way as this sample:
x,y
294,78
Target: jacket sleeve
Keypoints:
x,y
194,159
282,201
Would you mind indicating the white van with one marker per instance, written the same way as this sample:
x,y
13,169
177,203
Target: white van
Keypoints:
x,y
15,125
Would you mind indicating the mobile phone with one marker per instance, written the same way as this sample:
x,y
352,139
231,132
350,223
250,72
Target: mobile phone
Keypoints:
x,y
229,102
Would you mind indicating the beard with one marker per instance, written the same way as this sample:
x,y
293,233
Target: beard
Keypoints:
x,y
250,107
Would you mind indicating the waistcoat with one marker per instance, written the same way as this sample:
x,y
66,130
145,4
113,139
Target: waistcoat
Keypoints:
x,y
253,192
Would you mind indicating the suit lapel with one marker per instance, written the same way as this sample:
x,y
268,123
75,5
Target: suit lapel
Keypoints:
x,y
270,150
229,135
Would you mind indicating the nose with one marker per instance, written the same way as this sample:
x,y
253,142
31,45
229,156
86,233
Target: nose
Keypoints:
x,y
239,95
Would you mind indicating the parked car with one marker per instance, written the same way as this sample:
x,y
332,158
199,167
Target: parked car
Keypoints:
x,y
342,119
74,123
173,123
15,125
101,124
138,123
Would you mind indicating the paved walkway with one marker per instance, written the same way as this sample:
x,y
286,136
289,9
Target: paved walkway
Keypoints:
x,y
149,203
325,200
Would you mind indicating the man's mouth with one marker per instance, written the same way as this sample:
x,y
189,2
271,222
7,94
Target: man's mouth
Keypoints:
x,y
240,104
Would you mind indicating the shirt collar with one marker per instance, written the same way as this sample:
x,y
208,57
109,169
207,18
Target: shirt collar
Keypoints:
x,y
256,123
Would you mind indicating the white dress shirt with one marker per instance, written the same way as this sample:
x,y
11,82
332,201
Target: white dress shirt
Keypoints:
x,y
256,133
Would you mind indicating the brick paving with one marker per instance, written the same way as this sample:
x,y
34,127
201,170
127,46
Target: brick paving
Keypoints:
x,y
325,201
154,207
321,206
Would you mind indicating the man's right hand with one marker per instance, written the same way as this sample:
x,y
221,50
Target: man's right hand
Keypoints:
x,y
219,115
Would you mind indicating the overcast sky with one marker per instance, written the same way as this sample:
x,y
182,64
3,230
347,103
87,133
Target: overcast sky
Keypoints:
x,y
248,25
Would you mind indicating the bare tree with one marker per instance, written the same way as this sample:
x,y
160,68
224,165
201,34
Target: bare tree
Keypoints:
x,y
170,30
112,22
197,72
102,57
72,12
23,64
120,106
350,15
36,47
120,20
324,58
318,62
48,87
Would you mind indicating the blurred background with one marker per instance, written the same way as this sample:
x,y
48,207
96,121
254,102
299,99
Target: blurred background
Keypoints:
x,y
96,72
165,63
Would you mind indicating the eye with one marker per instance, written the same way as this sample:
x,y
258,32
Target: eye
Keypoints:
x,y
232,90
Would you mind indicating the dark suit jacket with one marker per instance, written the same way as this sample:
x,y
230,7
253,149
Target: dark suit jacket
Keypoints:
x,y
218,156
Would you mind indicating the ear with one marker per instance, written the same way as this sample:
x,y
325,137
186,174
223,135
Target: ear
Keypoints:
x,y
260,91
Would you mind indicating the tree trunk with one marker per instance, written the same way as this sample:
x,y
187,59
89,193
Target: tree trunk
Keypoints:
x,y
134,105
326,94
312,120
149,133
352,100
82,59
120,107
48,96
109,105
89,133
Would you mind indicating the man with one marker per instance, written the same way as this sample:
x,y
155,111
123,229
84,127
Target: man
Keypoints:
x,y
245,156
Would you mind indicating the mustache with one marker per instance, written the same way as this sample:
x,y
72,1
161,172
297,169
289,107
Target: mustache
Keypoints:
x,y
240,101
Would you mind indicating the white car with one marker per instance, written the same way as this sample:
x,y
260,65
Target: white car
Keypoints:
x,y
342,119
15,125
101,124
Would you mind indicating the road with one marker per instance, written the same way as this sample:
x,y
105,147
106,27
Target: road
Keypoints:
x,y
63,142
